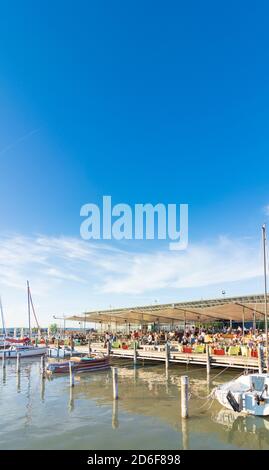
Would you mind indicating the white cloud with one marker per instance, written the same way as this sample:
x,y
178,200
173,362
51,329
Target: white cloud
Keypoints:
x,y
201,265
63,270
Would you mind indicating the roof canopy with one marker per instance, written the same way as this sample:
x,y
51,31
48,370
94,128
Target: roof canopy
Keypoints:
x,y
234,308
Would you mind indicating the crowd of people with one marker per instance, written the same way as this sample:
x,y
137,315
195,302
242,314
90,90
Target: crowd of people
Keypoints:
x,y
192,336
189,338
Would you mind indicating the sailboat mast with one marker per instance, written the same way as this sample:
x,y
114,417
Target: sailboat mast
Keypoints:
x,y
265,294
2,317
29,310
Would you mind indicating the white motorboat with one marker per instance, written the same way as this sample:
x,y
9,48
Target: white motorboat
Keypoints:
x,y
247,394
63,352
25,351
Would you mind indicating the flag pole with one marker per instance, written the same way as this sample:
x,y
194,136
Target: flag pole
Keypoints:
x,y
265,295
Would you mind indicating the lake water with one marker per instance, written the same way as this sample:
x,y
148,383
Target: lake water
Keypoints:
x,y
48,414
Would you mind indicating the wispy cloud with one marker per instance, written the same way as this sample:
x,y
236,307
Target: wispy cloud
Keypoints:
x,y
49,261
18,141
70,275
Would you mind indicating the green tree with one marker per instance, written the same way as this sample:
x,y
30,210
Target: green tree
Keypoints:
x,y
53,328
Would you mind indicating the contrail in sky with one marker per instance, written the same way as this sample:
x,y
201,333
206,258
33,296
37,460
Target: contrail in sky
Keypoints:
x,y
18,141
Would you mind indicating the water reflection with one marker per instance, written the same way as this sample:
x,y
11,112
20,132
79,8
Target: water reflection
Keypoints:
x,y
149,401
71,403
135,374
185,434
18,382
4,375
115,414
28,414
245,429
42,387
167,375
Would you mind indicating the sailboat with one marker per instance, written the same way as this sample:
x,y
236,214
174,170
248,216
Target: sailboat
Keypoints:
x,y
249,394
12,346
4,338
4,332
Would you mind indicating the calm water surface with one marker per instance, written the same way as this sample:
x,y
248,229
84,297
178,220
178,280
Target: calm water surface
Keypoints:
x,y
47,414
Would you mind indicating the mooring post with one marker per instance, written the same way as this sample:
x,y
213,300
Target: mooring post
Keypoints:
x,y
71,399
115,383
71,374
58,349
208,360
89,346
167,355
18,361
4,360
42,366
260,359
135,353
184,396
42,388
115,413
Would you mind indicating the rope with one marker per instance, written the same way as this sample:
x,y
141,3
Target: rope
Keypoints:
x,y
207,397
204,404
213,378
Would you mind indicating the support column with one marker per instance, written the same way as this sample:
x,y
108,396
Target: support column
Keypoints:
x,y
135,353
167,355
254,320
115,383
42,366
260,359
71,374
208,360
184,396
18,362
243,318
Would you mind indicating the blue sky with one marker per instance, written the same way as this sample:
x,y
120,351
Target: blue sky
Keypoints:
x,y
146,102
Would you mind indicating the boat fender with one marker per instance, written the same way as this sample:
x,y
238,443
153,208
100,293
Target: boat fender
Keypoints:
x,y
234,404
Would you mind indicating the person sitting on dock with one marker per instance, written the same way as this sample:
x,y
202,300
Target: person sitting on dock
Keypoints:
x,y
185,340
150,338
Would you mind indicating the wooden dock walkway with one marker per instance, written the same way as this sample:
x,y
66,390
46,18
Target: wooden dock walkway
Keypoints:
x,y
176,357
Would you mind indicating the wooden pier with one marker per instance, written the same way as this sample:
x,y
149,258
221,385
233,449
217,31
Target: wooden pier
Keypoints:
x,y
176,357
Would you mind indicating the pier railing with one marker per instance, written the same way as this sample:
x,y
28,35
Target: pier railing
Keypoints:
x,y
241,362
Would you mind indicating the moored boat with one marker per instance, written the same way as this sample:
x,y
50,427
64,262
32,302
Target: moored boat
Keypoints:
x,y
7,340
4,342
247,394
63,352
80,364
250,393
25,351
